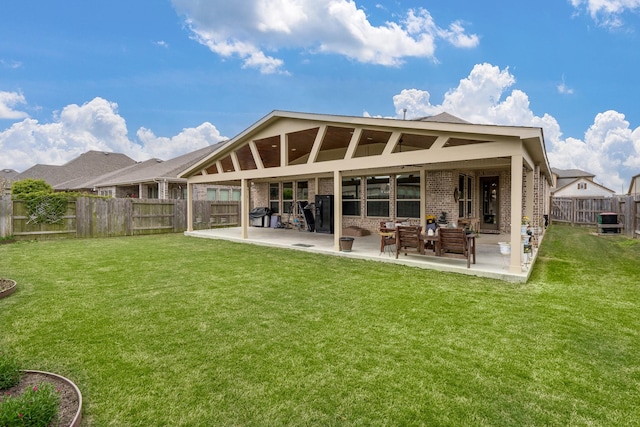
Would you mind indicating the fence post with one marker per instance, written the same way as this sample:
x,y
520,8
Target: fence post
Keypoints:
x,y
6,216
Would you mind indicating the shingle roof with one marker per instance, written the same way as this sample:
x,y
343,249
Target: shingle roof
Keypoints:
x,y
443,118
155,169
83,168
571,173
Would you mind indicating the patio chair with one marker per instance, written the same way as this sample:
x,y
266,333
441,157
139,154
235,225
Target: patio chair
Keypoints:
x,y
453,243
409,239
387,238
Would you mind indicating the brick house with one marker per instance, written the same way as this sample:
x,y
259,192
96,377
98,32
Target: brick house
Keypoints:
x,y
380,169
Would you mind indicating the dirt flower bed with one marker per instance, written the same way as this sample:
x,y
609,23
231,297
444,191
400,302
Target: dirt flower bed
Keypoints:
x,y
69,402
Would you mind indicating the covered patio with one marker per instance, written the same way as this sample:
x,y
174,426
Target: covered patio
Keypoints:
x,y
490,262
491,179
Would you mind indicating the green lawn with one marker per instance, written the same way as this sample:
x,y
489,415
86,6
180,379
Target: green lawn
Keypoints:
x,y
170,330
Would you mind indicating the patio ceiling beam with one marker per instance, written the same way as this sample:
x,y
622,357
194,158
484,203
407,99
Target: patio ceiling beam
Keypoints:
x,y
317,143
256,155
353,144
428,158
391,144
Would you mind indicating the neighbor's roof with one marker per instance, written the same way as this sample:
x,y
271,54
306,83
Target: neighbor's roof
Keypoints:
x,y
86,166
443,118
154,169
571,173
7,174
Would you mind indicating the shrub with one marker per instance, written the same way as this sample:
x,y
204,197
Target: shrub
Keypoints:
x,y
37,406
29,186
9,371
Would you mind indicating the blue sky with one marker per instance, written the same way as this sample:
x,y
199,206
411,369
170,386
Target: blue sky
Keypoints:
x,y
162,78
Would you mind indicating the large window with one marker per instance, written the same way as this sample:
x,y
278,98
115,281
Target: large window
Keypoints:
x,y
378,196
287,197
274,197
465,198
302,191
351,191
408,196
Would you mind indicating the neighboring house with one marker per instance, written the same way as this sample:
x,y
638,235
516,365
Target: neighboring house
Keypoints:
x,y
6,179
117,175
381,169
158,179
578,183
634,186
74,174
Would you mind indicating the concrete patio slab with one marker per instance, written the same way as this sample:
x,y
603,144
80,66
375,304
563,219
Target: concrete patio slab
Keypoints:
x,y
490,263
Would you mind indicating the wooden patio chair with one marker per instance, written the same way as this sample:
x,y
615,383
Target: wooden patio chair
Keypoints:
x,y
453,242
409,239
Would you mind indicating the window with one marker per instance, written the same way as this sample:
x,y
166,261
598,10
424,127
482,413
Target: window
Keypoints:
x,y
582,186
465,198
351,191
224,195
152,192
274,197
302,191
287,197
378,196
235,195
212,194
408,196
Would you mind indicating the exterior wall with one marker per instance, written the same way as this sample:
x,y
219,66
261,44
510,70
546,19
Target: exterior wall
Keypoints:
x,y
592,190
440,186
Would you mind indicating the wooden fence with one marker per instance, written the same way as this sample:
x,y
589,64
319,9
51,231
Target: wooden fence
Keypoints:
x,y
585,211
93,217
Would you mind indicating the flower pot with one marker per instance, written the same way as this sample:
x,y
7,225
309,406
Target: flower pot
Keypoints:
x,y
346,243
7,287
505,248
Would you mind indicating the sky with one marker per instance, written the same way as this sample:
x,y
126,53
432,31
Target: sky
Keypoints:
x,y
165,77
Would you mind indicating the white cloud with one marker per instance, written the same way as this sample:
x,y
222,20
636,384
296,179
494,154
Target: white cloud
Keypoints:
x,y
610,149
8,102
607,12
161,43
95,125
255,30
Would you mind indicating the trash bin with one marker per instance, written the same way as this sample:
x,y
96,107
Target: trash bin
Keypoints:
x,y
346,243
260,217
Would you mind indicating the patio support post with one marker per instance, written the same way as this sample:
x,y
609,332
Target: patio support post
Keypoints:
x,y
516,213
529,195
423,199
337,208
244,207
189,206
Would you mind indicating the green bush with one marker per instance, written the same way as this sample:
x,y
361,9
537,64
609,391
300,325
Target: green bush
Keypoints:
x,y
9,371
37,406
30,186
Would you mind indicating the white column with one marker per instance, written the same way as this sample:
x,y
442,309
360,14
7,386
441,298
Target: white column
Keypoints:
x,y
337,209
516,213
244,208
189,206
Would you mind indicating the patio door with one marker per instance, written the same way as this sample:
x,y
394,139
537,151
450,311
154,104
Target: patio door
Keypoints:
x,y
490,215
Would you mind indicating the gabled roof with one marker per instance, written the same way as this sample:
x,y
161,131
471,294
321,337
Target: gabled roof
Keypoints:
x,y
154,169
571,173
567,177
254,153
84,167
634,185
